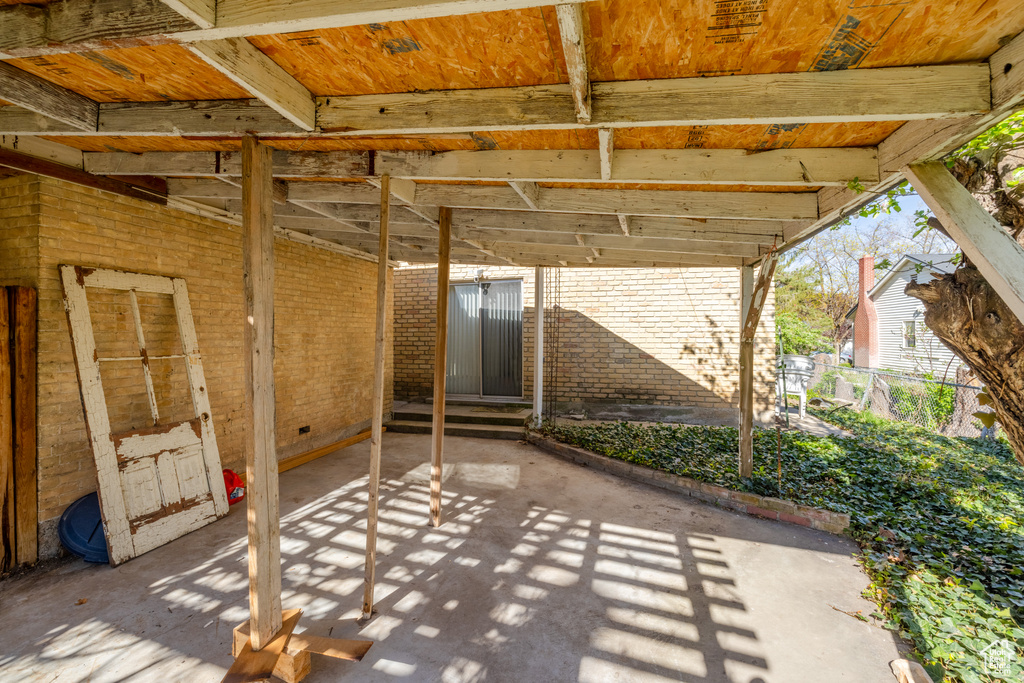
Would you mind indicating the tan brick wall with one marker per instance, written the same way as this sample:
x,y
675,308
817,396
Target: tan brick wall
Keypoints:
x,y
324,329
19,237
653,336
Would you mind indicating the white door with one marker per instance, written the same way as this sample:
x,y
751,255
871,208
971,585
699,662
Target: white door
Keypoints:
x,y
161,481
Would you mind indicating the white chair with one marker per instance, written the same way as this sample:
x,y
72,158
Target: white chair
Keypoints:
x,y
798,372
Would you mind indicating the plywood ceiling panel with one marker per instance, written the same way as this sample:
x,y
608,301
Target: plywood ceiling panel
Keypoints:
x,y
494,49
641,39
138,74
137,145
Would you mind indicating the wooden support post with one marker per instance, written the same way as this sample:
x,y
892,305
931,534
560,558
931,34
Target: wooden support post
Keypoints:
x,y
746,376
23,312
7,527
986,243
377,426
752,300
258,351
538,346
444,249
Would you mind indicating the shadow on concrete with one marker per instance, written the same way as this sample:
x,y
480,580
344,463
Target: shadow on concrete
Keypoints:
x,y
541,571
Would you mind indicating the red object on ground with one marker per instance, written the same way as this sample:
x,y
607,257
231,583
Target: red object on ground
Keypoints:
x,y
235,487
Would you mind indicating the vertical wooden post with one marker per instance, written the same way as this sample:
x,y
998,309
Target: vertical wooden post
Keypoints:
x,y
746,465
377,427
444,248
754,296
23,312
538,346
7,527
258,352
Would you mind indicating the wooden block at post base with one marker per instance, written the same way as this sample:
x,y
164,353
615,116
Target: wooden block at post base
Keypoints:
x,y
292,666
294,663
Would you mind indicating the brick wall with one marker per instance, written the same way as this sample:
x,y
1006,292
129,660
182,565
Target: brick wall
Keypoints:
x,y
662,336
324,329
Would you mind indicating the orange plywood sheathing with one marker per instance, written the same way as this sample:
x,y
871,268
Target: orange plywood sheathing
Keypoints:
x,y
641,39
137,145
138,74
866,134
489,50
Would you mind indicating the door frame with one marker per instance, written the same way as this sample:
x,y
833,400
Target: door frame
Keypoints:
x,y
479,396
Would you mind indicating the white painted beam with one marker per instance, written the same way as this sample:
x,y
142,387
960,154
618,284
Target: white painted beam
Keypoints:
x,y
570,26
986,243
606,148
201,12
527,191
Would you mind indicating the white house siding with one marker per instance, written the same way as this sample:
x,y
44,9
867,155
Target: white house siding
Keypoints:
x,y
894,308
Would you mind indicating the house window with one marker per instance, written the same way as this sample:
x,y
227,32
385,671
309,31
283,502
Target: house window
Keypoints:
x,y
909,335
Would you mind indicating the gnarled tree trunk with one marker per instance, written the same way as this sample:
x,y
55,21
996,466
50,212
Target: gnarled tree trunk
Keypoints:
x,y
968,316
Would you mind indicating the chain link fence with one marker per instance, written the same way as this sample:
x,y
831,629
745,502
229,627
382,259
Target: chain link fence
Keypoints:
x,y
944,407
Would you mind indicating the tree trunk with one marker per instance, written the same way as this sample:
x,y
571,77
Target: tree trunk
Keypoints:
x,y
968,316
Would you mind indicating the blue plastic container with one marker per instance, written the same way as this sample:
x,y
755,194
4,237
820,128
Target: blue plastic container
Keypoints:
x,y
81,530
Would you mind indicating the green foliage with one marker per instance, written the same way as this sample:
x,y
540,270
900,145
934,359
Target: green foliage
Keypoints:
x,y
937,518
798,336
1002,137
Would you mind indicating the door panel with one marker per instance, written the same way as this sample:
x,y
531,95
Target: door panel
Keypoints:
x,y
501,338
463,362
162,481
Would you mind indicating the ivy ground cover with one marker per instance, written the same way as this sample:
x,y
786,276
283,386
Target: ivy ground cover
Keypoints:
x,y
937,519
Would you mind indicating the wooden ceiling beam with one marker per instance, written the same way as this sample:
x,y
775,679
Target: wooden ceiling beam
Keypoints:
x,y
922,141
249,68
76,176
286,164
889,94
502,239
752,205
570,27
527,191
85,25
46,99
203,13
793,167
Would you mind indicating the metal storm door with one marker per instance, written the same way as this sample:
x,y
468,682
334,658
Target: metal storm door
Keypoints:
x,y
161,481
485,339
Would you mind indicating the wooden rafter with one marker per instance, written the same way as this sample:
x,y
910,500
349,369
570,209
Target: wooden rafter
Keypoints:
x,y
84,25
890,94
570,26
46,99
237,59
796,167
998,256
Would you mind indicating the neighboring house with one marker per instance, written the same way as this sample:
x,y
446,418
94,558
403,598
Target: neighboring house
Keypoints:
x,y
900,339
625,338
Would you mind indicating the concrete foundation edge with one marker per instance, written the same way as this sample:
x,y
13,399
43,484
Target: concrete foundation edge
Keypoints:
x,y
747,503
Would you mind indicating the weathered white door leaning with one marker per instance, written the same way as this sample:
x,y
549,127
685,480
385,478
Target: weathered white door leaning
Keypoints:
x,y
160,482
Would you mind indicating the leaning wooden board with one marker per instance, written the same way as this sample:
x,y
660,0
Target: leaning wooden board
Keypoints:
x,y
159,483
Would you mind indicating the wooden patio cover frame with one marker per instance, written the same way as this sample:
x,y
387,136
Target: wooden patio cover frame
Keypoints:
x,y
395,171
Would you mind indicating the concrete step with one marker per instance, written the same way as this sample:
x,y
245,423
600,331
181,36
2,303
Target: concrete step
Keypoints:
x,y
480,431
506,419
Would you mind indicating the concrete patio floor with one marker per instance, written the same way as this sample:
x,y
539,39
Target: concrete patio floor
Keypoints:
x,y
543,571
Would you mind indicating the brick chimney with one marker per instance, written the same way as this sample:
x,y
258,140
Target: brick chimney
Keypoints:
x,y
865,328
